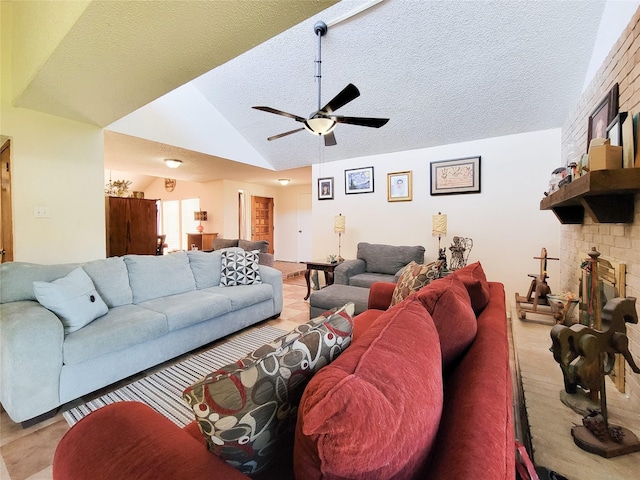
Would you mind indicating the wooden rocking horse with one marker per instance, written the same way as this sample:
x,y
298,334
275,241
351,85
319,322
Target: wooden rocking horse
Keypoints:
x,y
538,291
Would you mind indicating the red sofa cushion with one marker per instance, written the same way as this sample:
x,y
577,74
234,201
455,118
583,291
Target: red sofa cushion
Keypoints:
x,y
448,303
374,412
475,281
130,441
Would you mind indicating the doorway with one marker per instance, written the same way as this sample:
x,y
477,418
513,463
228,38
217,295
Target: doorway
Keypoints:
x,y
6,222
262,220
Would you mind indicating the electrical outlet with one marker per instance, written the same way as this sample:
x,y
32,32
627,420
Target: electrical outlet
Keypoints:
x,y
41,212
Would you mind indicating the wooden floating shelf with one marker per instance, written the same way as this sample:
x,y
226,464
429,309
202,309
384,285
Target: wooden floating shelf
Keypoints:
x,y
606,195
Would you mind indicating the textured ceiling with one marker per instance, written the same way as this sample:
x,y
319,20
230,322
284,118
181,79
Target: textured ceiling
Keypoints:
x,y
442,71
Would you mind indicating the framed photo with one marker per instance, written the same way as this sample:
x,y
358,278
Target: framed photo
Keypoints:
x,y
603,115
358,180
614,130
399,187
325,188
461,175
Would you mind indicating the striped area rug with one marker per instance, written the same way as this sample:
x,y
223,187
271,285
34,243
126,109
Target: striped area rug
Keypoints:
x,y
162,390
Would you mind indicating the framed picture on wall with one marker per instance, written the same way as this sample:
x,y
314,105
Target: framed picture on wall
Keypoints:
x,y
399,187
614,130
602,116
358,180
461,175
325,188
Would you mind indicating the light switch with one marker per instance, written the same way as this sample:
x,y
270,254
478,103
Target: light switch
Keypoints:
x,y
41,212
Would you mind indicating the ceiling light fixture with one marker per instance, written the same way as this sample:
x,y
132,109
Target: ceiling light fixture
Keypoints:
x,y
320,125
172,162
284,181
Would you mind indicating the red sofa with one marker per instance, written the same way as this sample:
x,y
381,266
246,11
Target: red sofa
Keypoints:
x,y
424,391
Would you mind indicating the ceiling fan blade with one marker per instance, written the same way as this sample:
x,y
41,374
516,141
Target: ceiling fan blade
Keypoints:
x,y
348,93
330,140
280,112
275,137
361,121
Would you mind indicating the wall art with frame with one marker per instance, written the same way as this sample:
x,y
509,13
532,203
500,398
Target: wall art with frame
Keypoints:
x,y
325,188
358,180
399,187
603,115
461,175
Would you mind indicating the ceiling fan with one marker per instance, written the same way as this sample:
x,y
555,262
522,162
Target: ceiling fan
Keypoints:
x,y
323,121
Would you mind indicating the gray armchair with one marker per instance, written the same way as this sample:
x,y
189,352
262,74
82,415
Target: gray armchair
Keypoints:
x,y
376,263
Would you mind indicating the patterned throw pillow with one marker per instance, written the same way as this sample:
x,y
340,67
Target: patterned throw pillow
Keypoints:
x,y
240,268
413,278
242,407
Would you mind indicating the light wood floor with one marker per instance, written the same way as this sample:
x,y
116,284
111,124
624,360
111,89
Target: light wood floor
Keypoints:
x,y
28,453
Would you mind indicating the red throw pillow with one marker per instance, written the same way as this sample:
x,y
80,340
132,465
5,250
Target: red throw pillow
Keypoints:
x,y
449,304
374,412
475,281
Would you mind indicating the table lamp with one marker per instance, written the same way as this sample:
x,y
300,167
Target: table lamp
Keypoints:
x,y
200,216
339,226
439,229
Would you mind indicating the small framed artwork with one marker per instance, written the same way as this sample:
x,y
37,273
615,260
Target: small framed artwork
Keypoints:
x,y
603,115
399,187
358,180
461,175
614,130
325,188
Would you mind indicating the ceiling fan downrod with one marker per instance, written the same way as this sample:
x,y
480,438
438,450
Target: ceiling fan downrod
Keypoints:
x,y
320,28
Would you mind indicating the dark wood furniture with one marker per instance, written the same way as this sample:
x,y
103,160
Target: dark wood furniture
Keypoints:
x,y
606,195
326,267
131,226
203,241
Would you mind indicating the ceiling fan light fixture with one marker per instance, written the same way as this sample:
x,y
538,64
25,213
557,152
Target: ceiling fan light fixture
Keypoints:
x,y
172,162
320,125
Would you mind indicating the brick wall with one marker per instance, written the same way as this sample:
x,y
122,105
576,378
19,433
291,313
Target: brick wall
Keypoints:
x,y
619,242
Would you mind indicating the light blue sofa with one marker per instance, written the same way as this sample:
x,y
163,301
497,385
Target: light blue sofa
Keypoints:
x,y
159,307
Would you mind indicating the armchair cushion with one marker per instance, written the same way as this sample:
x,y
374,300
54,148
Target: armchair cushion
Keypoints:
x,y
388,258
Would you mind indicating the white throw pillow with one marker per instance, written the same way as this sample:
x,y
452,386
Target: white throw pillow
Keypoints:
x,y
240,268
73,299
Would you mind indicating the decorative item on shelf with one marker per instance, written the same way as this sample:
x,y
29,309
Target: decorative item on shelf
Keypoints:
x,y
439,229
137,194
117,188
537,295
169,184
339,227
586,355
200,216
460,250
556,177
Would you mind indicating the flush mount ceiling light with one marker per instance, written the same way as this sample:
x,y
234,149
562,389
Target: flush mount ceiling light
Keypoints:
x,y
172,162
284,181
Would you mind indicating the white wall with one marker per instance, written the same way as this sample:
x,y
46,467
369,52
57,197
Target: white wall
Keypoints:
x,y
504,220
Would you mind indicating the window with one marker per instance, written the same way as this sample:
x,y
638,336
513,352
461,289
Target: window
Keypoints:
x,y
175,220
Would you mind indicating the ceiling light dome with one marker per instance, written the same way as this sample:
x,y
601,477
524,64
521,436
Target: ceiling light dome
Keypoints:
x,y
172,162
284,181
320,125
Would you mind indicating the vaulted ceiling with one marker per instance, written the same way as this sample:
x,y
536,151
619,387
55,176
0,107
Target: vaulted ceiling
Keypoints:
x,y
180,78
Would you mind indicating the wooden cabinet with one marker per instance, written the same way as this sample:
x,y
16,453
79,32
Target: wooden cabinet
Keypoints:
x,y
606,195
203,241
132,226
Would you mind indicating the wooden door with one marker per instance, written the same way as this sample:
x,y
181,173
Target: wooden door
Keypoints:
x,y
6,222
262,220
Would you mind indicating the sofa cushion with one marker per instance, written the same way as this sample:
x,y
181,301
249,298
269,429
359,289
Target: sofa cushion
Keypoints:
x,y
158,276
365,280
239,268
189,308
17,278
120,328
415,276
241,408
220,243
73,298
242,296
449,304
475,281
206,267
261,246
111,278
375,411
388,258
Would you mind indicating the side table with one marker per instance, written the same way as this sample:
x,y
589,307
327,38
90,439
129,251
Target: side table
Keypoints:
x,y
326,267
